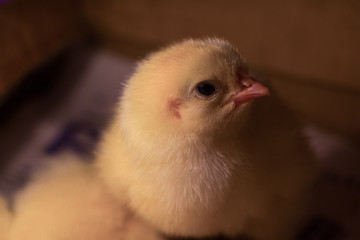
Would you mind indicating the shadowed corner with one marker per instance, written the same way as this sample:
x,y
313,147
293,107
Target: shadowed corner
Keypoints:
x,y
4,1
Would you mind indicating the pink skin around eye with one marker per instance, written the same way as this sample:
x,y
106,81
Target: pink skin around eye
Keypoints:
x,y
173,107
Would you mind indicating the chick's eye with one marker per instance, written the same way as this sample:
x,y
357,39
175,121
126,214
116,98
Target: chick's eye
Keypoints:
x,y
206,89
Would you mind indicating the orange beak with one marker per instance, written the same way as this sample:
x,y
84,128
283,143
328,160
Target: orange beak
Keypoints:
x,y
250,89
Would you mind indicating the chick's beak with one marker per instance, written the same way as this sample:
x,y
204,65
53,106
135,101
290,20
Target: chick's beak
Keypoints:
x,y
250,89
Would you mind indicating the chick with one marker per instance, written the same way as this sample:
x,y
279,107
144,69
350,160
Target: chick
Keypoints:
x,y
198,147
66,201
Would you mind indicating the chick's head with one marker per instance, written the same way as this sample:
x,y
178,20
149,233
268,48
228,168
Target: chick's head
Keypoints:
x,y
195,86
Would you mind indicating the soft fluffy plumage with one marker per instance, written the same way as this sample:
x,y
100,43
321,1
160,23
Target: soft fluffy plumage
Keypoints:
x,y
198,167
66,201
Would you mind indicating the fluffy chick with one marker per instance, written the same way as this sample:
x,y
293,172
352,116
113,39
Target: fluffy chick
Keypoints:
x,y
197,148
66,201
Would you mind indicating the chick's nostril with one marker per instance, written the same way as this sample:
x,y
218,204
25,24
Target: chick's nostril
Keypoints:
x,y
244,80
246,83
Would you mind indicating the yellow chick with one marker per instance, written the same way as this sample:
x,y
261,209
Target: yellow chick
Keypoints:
x,y
197,147
66,201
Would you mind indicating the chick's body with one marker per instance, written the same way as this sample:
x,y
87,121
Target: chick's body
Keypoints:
x,y
193,151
